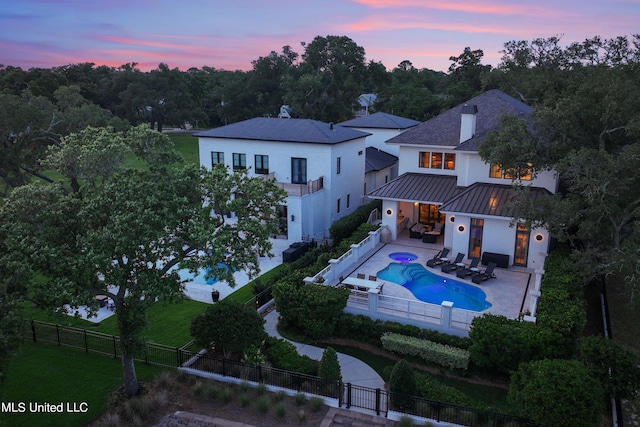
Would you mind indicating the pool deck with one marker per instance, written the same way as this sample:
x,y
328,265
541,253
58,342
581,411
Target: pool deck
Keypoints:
x,y
508,292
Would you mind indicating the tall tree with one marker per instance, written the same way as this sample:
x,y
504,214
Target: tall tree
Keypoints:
x,y
329,79
123,235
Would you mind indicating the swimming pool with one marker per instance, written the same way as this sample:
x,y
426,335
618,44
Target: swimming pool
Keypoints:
x,y
434,289
200,277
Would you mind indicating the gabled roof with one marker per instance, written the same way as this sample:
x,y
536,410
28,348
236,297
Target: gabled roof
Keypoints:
x,y
418,187
376,160
488,199
444,129
284,130
380,121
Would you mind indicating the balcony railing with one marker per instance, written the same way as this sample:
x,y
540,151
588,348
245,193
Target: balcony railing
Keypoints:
x,y
297,190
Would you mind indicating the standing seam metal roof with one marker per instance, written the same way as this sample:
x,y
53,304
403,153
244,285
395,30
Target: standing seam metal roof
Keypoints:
x,y
488,199
425,188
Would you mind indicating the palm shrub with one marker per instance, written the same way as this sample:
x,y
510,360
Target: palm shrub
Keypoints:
x,y
402,385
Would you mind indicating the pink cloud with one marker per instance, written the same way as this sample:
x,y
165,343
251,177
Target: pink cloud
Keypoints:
x,y
468,6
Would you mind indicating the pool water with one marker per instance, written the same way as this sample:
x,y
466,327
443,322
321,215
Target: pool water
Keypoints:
x,y
403,256
200,277
434,289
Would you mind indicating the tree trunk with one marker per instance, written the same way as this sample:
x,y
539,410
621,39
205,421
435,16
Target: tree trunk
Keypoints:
x,y
129,372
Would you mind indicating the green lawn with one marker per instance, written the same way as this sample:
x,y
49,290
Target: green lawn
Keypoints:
x,y
49,374
187,145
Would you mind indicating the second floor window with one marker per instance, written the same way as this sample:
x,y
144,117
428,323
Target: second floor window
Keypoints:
x,y
298,170
437,160
239,161
262,164
495,171
217,157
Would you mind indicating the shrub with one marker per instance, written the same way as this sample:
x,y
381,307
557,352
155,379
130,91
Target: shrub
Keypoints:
x,y
402,385
229,326
329,366
615,366
347,225
444,355
309,308
556,393
283,355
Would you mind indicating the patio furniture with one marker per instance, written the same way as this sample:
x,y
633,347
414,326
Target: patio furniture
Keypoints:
x,y
361,276
102,300
374,278
471,270
456,264
439,259
417,230
485,275
501,260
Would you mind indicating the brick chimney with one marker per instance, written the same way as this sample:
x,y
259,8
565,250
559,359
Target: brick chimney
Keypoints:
x,y
468,122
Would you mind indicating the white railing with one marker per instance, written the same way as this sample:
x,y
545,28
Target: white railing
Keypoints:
x,y
441,317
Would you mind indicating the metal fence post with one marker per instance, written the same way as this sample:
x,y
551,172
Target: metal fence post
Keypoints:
x,y
348,395
378,394
86,342
33,329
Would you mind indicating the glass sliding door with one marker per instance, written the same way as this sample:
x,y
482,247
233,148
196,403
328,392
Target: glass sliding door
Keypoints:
x,y
521,252
475,238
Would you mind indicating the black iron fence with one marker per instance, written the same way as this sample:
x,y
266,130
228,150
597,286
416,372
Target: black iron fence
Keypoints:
x,y
348,395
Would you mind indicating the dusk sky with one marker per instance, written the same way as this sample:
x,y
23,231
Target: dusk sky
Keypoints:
x,y
230,34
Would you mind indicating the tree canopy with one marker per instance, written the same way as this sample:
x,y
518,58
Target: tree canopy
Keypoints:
x,y
123,232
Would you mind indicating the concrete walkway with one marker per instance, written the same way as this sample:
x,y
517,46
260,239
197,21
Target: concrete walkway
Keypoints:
x,y
354,370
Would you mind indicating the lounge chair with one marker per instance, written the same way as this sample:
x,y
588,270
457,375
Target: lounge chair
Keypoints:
x,y
471,270
374,278
361,276
456,264
486,274
439,259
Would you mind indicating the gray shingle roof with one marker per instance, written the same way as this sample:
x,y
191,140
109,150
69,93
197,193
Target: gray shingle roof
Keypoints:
x,y
418,187
444,129
376,160
284,130
488,199
380,121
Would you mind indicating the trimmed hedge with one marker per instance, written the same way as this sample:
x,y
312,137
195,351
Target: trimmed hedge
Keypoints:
x,y
347,225
284,355
366,329
444,355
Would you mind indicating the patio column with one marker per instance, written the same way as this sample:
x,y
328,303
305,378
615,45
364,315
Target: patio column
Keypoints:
x,y
373,300
445,317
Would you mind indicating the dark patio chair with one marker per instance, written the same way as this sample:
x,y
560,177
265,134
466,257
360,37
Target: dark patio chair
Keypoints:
x,y
471,270
456,264
486,274
439,259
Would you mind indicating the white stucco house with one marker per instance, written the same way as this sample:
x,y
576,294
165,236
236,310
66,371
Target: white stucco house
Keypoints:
x,y
319,165
445,187
381,159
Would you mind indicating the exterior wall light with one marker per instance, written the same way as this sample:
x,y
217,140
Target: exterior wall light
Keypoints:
x,y
461,228
539,237
389,212
292,218
452,219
